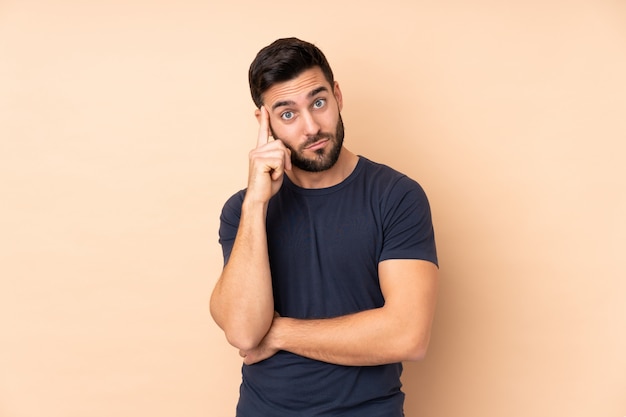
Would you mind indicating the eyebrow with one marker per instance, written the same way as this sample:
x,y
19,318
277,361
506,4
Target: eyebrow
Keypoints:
x,y
313,93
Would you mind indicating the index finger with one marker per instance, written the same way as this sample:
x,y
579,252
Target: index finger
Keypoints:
x,y
264,127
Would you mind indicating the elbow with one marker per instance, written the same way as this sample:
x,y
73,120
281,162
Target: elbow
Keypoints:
x,y
415,348
416,354
243,330
243,341
240,336
238,333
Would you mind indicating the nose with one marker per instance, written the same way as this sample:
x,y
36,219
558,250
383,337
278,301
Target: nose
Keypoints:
x,y
311,127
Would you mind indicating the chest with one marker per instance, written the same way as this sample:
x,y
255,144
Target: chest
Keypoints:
x,y
324,255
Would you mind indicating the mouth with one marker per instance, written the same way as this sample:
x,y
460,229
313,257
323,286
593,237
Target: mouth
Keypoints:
x,y
317,145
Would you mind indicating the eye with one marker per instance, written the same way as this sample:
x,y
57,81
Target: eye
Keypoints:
x,y
319,103
288,115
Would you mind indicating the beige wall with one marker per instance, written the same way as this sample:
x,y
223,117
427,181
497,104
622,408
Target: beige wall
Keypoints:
x,y
125,125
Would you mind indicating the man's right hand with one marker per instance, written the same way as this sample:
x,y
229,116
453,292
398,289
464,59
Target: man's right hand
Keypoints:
x,y
268,162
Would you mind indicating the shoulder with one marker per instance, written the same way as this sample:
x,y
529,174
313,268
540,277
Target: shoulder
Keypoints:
x,y
232,207
387,181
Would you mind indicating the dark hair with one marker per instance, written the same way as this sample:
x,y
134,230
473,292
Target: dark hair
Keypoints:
x,y
283,60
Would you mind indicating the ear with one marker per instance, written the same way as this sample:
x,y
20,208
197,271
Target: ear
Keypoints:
x,y
338,95
257,114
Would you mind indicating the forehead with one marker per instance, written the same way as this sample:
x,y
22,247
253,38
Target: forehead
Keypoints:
x,y
297,89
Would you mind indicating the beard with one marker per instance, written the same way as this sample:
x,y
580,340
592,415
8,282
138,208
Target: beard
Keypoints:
x,y
324,158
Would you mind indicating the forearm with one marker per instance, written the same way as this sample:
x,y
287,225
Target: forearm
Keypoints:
x,y
242,302
371,337
398,331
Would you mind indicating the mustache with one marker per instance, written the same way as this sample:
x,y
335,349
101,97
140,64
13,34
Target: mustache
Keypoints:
x,y
316,138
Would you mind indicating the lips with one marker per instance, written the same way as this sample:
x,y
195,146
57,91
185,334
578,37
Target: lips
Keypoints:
x,y
317,145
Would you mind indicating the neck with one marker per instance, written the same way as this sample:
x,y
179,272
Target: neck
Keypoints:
x,y
337,173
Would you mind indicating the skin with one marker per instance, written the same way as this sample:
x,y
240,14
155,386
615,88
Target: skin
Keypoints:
x,y
242,302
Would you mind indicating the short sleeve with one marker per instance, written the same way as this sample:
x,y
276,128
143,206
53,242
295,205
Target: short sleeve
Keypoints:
x,y
408,231
229,223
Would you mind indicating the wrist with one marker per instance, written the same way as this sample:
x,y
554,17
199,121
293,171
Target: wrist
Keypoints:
x,y
251,205
277,333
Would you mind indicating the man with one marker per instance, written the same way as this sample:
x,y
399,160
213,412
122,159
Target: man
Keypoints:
x,y
330,273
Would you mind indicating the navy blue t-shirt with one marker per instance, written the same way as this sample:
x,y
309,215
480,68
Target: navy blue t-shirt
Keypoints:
x,y
324,248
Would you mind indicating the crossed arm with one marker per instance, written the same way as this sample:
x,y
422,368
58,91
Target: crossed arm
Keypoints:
x,y
398,331
242,304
